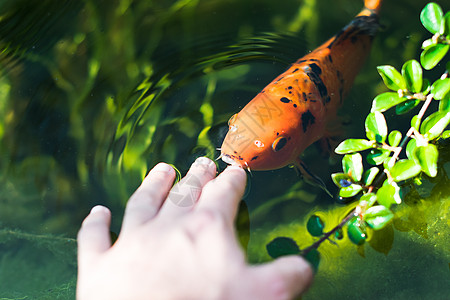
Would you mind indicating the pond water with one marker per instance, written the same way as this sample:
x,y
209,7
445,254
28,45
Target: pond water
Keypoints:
x,y
94,93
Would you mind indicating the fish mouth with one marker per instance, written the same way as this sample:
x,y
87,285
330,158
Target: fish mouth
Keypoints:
x,y
229,160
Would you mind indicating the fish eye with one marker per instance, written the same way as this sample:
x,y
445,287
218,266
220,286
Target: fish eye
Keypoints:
x,y
232,119
279,143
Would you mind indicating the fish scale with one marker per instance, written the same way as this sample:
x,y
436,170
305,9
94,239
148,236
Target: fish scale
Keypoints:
x,y
292,111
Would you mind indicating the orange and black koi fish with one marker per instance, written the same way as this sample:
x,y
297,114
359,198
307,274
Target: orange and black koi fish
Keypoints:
x,y
291,113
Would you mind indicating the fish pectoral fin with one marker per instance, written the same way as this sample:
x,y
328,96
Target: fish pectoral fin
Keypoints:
x,y
310,177
333,135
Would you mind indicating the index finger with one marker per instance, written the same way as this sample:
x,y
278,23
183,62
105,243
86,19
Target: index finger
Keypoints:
x,y
224,193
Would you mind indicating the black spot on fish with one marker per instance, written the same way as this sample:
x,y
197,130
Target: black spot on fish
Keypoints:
x,y
305,97
235,152
300,61
336,37
315,78
330,59
295,70
254,157
279,79
362,25
308,119
285,100
313,59
289,87
295,105
316,69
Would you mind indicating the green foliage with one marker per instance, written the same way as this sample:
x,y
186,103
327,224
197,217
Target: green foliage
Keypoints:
x,y
431,17
282,246
377,189
412,73
437,47
315,225
376,128
356,232
385,101
410,89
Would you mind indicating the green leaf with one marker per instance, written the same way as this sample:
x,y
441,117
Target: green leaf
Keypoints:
x,y
445,25
339,234
313,257
427,43
395,138
376,127
434,124
432,55
370,198
355,233
370,175
384,101
353,145
378,216
352,165
427,157
405,169
377,156
388,194
410,148
431,16
282,246
406,106
445,134
440,88
392,78
412,73
350,191
426,86
444,105
341,179
415,122
315,225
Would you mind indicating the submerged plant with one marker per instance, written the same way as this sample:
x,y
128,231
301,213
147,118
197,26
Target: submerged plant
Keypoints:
x,y
393,159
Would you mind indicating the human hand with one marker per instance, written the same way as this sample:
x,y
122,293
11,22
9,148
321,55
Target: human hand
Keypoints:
x,y
180,243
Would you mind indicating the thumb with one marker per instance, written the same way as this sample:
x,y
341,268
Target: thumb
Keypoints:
x,y
283,278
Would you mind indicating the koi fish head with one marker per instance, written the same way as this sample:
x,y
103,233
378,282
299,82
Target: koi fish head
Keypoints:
x,y
257,147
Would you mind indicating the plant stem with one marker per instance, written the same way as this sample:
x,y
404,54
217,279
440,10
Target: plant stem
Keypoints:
x,y
411,130
329,233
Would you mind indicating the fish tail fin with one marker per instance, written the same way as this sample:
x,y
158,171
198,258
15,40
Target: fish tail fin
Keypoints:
x,y
371,7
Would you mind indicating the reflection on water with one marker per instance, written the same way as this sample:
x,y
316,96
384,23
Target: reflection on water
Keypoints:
x,y
93,94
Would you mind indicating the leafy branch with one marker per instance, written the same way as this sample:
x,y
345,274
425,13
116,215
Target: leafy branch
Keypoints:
x,y
378,187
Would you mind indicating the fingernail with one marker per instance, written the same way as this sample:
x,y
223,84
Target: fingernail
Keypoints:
x,y
233,167
99,209
162,167
203,161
